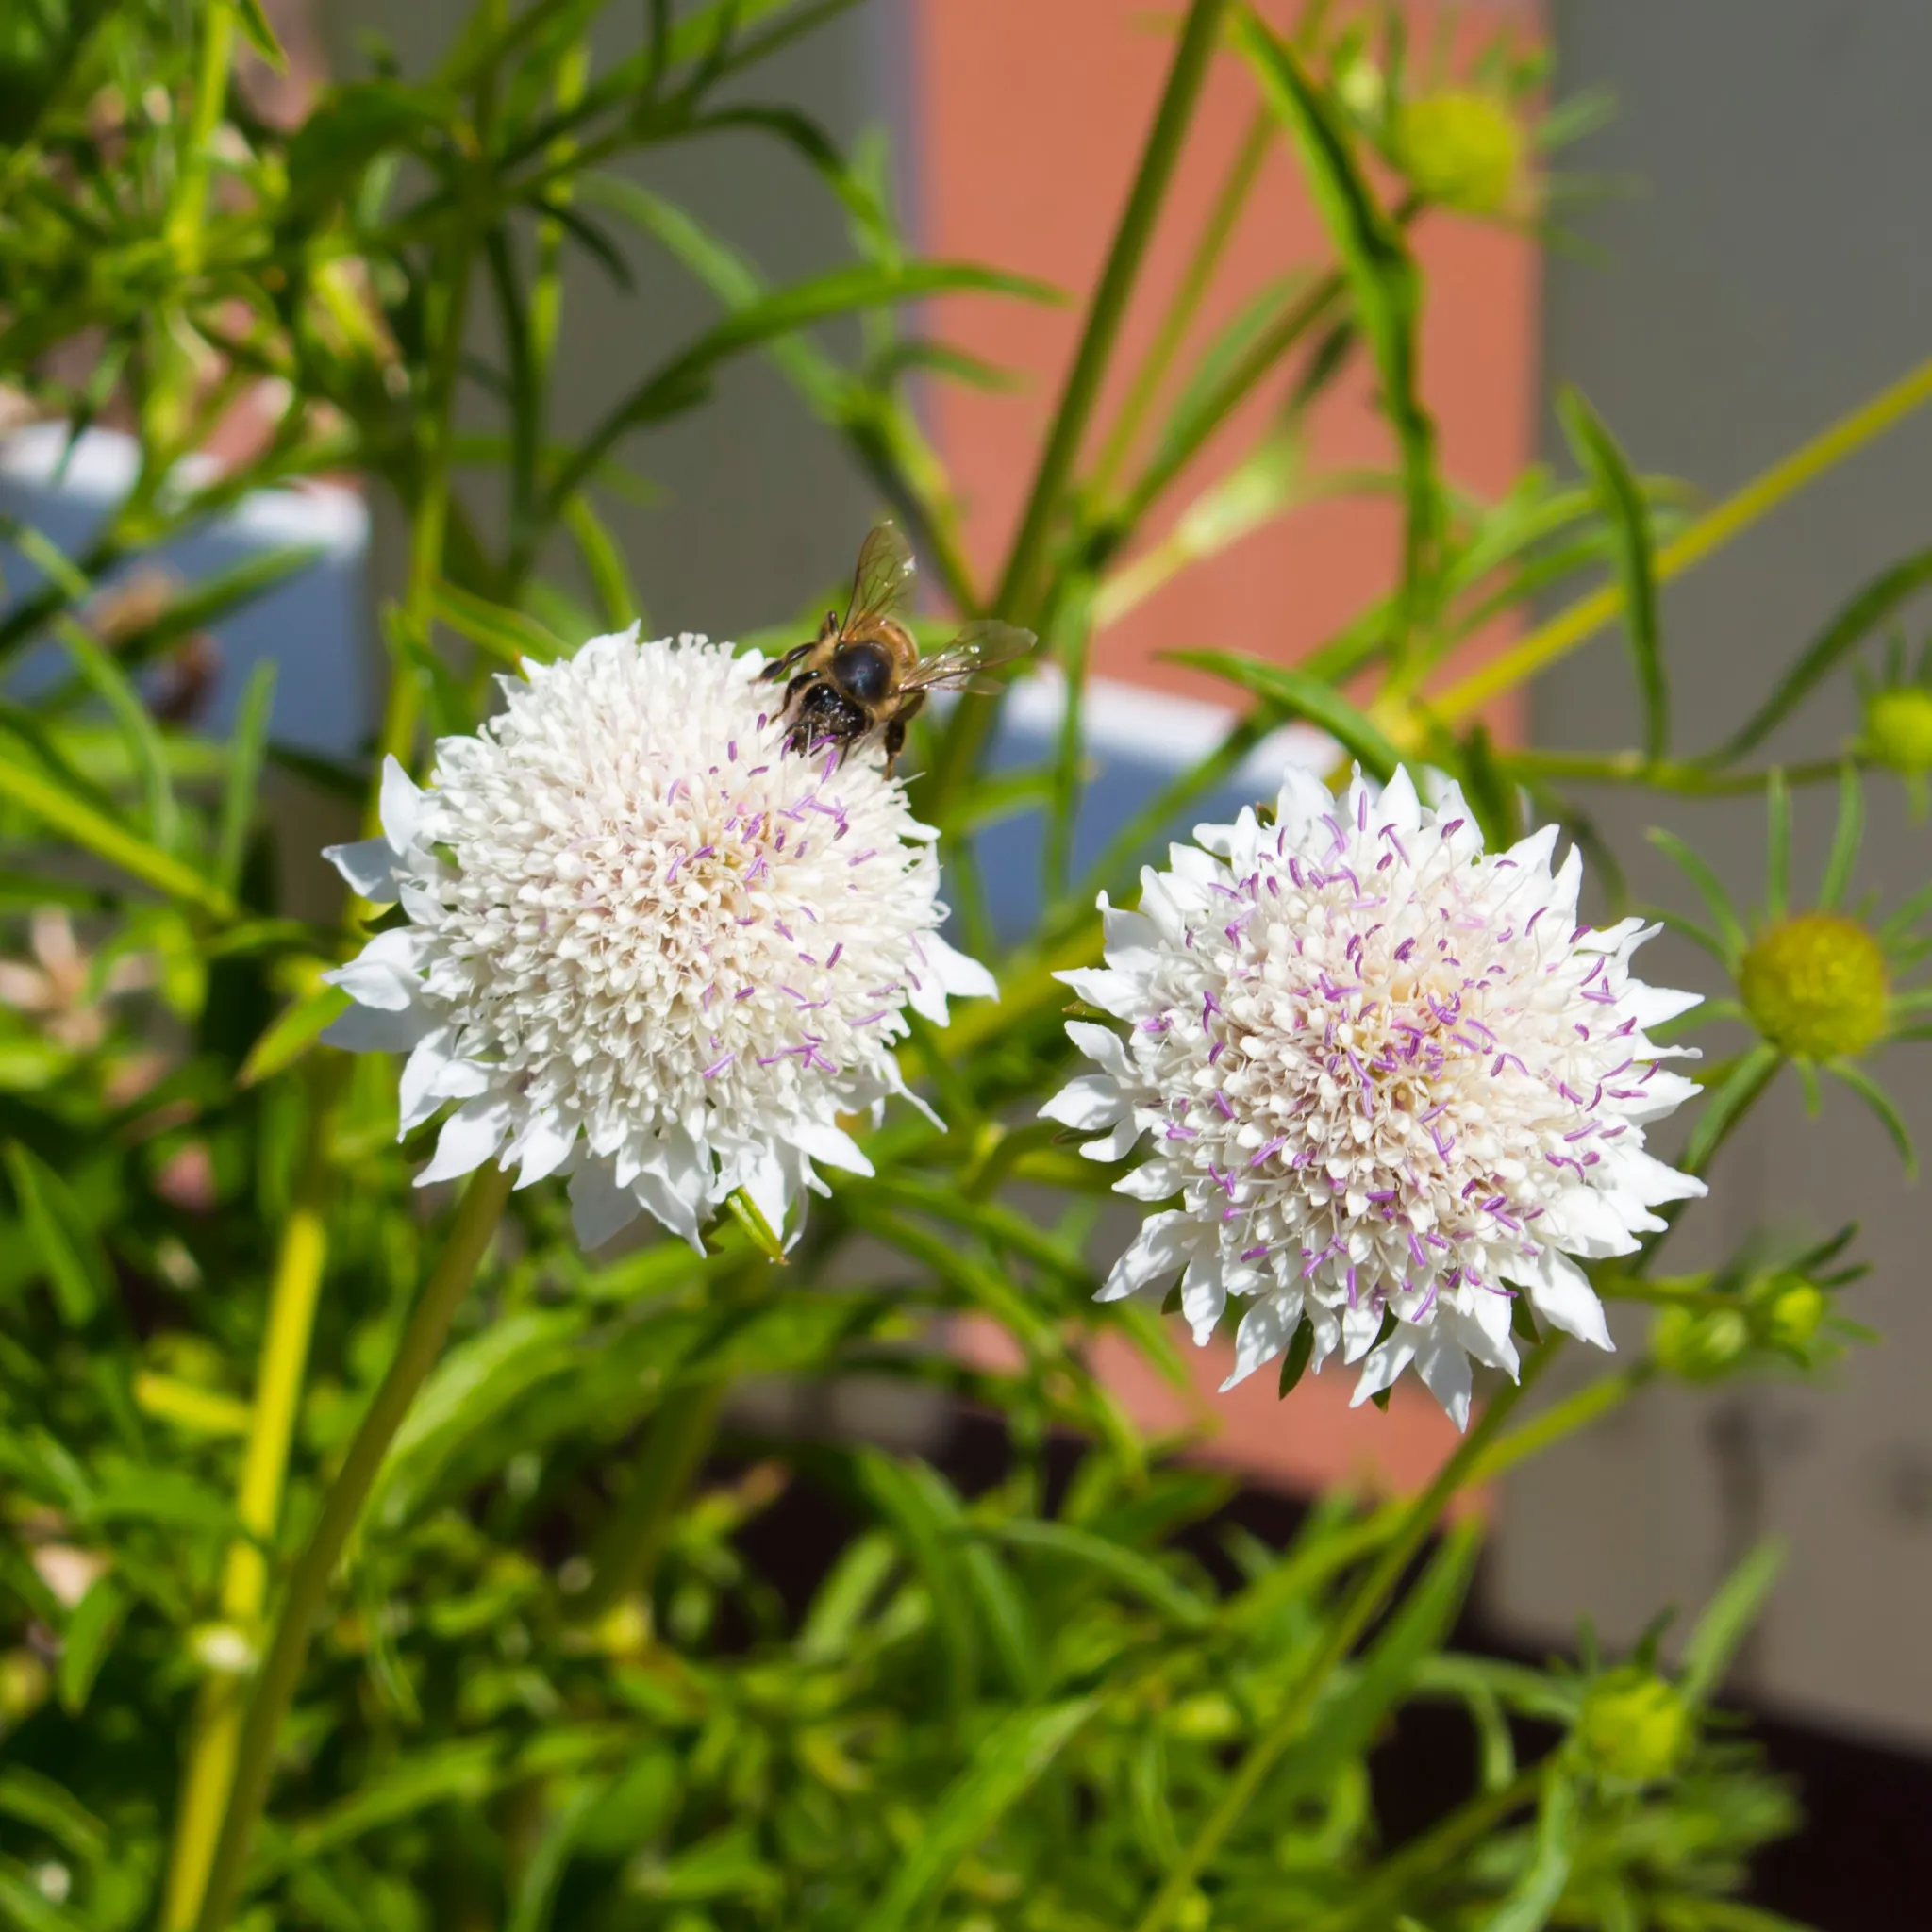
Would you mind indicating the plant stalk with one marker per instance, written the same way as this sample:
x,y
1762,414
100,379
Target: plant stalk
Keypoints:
x,y
217,1725
1364,1604
308,1589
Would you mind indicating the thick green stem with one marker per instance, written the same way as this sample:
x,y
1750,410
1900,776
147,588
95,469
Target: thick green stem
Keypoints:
x,y
626,1549
970,724
1363,1605
217,1730
308,1590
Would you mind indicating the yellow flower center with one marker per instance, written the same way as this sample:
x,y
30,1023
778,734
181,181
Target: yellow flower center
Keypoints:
x,y
1898,728
1462,149
1816,986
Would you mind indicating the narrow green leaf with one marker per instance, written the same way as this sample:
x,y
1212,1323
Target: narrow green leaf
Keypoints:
x,y
38,1801
70,1254
1846,631
88,1637
209,599
1726,1622
1294,1359
139,732
506,633
259,34
1777,846
1845,838
1108,1563
604,563
290,1034
62,812
543,1871
246,747
1711,887
1880,1102
1620,500
1382,276
1300,695
1552,1851
1004,1769
1731,1096
1344,1726
926,1516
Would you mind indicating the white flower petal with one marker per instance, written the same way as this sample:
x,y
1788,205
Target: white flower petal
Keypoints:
x,y
401,805
1087,1104
832,1145
1266,1329
378,1029
1560,1293
369,866
1386,1365
543,1146
962,977
1444,1370
1159,1252
469,1137
1103,1046
599,1209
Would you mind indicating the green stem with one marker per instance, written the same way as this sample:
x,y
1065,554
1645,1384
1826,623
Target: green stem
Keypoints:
x,y
625,1551
307,1588
1363,1605
1384,1888
1736,514
210,97
299,1267
1664,775
1193,290
972,724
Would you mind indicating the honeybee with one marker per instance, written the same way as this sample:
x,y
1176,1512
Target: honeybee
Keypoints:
x,y
865,674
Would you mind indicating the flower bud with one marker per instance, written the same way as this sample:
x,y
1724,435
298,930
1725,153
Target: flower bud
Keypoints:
x,y
1816,986
1898,728
24,1687
1792,1309
1634,1725
1461,149
1698,1345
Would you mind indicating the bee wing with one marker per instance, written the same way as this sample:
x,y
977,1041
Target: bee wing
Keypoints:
x,y
981,646
882,584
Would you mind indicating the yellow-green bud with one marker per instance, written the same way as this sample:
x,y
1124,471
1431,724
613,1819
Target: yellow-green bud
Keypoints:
x,y
1816,986
1698,1345
1793,1309
1634,1725
1461,149
24,1685
1898,728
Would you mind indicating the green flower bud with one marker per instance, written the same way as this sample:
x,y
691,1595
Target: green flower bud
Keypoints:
x,y
1462,149
1634,1725
1792,1310
1698,1345
1816,986
1898,728
24,1687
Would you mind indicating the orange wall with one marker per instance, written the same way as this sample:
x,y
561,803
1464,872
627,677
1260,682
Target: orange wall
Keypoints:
x,y
1032,113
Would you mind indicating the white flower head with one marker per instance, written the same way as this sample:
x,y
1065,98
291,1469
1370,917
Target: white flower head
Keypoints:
x,y
645,945
1385,1073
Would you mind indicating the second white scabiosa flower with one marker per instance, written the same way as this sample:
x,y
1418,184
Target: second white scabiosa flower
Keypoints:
x,y
646,945
1387,1075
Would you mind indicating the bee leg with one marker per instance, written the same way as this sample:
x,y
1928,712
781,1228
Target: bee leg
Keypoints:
x,y
894,741
779,666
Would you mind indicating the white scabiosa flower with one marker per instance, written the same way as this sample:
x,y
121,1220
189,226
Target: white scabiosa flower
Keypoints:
x,y
646,945
1385,1075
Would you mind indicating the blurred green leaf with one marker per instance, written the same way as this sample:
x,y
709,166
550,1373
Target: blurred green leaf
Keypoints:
x,y
1297,694
1004,1768
1620,500
70,1254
